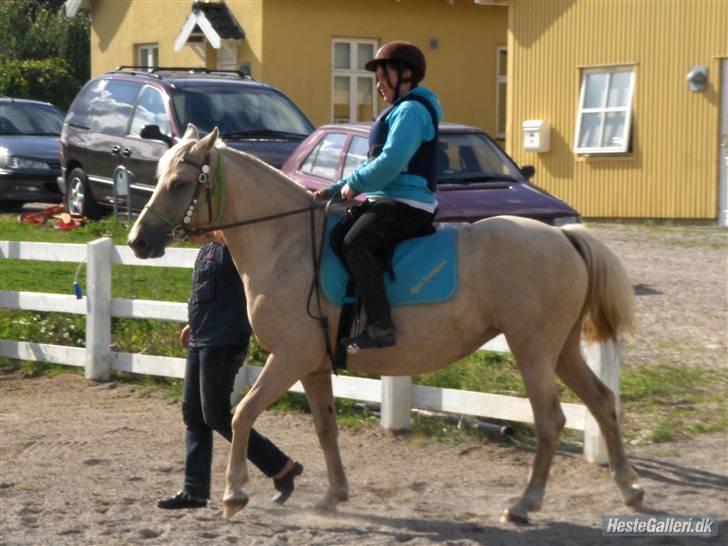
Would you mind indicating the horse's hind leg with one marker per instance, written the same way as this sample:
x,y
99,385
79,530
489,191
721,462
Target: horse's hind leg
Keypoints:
x,y
539,378
574,372
278,375
321,401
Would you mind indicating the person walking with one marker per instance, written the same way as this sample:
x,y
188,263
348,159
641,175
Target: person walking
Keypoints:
x,y
216,339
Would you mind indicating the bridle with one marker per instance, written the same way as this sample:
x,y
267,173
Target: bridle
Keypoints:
x,y
182,232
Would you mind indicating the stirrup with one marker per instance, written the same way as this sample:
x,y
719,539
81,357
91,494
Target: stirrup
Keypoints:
x,y
367,341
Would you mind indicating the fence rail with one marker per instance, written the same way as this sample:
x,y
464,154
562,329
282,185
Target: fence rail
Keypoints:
x,y
397,395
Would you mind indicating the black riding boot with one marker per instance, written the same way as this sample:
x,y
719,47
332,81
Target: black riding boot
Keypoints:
x,y
369,279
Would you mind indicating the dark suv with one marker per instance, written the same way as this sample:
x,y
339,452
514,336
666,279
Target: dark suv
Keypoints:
x,y
130,116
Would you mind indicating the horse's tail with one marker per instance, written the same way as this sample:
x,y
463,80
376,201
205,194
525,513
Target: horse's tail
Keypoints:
x,y
609,307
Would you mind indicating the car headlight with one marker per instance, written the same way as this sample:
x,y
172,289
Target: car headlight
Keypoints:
x,y
9,161
566,220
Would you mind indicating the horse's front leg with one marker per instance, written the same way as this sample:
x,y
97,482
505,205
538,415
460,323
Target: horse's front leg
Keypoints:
x,y
278,375
321,401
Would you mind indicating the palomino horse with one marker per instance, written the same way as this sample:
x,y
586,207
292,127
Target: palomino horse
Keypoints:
x,y
534,283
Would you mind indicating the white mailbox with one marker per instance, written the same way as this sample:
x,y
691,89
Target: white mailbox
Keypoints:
x,y
536,136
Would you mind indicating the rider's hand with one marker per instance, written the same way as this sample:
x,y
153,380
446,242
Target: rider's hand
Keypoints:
x,y
320,195
347,194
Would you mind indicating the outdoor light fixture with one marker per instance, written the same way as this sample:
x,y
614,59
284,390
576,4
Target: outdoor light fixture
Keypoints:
x,y
697,78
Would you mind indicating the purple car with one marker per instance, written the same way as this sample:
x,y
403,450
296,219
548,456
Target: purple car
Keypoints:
x,y
477,179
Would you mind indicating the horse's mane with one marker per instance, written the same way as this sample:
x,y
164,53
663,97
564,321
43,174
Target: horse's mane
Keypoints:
x,y
268,169
176,154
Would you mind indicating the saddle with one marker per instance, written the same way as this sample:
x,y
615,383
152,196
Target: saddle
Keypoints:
x,y
420,271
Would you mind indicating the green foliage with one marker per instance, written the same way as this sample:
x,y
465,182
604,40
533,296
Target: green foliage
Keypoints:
x,y
43,54
48,80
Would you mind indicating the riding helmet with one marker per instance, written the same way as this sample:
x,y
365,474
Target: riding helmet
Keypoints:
x,y
404,52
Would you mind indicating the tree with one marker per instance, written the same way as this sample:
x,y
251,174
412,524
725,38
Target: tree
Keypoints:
x,y
44,55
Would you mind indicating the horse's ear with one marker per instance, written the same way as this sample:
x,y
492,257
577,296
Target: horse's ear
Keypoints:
x,y
203,147
191,132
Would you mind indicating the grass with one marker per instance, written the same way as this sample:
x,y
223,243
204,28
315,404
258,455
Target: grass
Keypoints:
x,y
660,403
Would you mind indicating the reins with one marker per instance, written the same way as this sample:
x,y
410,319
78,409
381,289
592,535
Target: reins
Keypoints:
x,y
181,232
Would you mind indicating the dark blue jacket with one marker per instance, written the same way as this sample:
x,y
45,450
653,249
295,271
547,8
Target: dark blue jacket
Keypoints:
x,y
217,308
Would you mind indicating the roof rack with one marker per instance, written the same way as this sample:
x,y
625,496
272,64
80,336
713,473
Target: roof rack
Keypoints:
x,y
157,71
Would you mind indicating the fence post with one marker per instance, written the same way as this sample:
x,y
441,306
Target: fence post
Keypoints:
x,y
604,359
396,402
98,309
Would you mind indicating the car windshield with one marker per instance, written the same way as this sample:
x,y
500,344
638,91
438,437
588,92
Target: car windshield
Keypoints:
x,y
240,112
466,158
22,118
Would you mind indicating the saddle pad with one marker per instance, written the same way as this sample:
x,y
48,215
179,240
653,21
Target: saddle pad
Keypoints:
x,y
425,269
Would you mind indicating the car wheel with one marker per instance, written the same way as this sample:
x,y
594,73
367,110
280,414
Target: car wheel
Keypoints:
x,y
79,199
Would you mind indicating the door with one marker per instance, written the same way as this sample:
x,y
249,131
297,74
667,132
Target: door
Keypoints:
x,y
145,153
723,156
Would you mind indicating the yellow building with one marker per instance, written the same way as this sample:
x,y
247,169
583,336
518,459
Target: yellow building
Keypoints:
x,y
314,50
630,137
613,126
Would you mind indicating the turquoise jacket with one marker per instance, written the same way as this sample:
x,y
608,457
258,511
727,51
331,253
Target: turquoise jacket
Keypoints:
x,y
409,124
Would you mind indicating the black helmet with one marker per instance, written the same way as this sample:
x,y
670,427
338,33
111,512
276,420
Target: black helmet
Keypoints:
x,y
404,52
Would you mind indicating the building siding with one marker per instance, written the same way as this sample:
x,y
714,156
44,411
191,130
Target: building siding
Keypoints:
x,y
672,171
288,44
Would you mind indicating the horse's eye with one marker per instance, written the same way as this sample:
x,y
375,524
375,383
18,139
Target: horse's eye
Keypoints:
x,y
177,185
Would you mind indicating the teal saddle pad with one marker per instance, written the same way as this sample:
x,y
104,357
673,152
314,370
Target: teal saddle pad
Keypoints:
x,y
425,269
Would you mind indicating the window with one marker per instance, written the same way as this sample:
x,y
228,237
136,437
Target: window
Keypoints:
x,y
604,121
150,111
238,109
501,79
353,88
356,155
111,109
148,55
324,159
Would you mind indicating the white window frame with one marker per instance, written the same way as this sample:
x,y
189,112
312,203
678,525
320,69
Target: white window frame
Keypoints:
x,y
145,55
500,101
604,109
352,73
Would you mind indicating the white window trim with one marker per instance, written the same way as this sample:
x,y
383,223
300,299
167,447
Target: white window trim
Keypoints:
x,y
145,52
352,74
500,101
627,109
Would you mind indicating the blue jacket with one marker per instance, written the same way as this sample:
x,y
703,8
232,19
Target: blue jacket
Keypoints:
x,y
217,308
410,124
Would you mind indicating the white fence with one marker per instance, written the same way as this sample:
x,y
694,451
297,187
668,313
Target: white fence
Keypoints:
x,y
397,395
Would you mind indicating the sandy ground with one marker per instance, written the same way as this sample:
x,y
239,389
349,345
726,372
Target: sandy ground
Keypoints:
x,y
85,463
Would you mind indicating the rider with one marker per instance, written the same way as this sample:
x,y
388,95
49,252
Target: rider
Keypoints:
x,y
398,180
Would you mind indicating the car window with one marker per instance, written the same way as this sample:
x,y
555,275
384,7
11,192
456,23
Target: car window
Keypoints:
x,y
79,115
356,155
18,118
467,156
150,110
324,159
237,109
111,108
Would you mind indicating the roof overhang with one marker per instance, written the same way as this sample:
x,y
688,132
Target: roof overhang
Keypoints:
x,y
209,21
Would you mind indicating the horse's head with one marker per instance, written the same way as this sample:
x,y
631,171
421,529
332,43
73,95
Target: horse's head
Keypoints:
x,y
181,198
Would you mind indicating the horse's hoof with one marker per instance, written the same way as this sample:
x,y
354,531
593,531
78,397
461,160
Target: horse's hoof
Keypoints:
x,y
509,516
634,496
230,507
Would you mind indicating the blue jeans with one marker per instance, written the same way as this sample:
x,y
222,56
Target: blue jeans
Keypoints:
x,y
209,379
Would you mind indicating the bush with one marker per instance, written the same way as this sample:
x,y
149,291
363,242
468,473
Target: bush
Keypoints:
x,y
49,80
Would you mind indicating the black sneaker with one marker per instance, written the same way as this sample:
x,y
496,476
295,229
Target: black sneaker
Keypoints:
x,y
181,500
284,485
